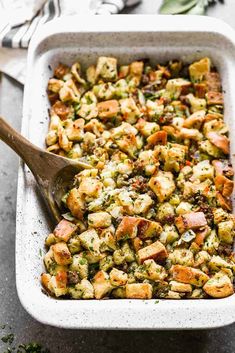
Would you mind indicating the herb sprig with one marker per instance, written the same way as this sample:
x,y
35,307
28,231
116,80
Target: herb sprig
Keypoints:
x,y
192,7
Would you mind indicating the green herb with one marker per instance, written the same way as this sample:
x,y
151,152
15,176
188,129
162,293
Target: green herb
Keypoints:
x,y
193,7
8,338
156,302
40,252
68,216
32,348
82,261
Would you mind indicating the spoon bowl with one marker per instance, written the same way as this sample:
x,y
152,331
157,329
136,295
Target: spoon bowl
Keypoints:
x,y
54,174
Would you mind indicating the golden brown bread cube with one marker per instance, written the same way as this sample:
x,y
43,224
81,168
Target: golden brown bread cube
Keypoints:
x,y
220,141
219,286
156,251
189,275
162,184
139,291
64,230
192,220
76,203
108,109
101,284
62,254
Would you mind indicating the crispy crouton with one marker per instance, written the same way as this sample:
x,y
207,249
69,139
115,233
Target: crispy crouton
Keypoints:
x,y
220,141
192,220
90,240
101,284
90,187
61,253
224,185
117,277
156,251
75,203
150,270
64,230
139,291
189,275
214,98
108,109
163,185
195,120
219,286
199,69
213,81
158,138
224,202
130,227
99,220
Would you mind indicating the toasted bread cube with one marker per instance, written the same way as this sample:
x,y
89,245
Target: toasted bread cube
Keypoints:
x,y
64,230
176,86
150,270
220,141
45,280
156,251
199,69
56,285
108,109
62,254
80,265
136,68
106,68
75,203
90,240
118,277
196,103
217,262
213,81
214,98
139,291
82,290
219,286
162,184
203,170
55,85
148,229
192,220
147,128
224,202
224,185
142,203
101,284
180,287
226,231
158,138
189,275
99,220
182,257
195,120
129,110
90,187
128,228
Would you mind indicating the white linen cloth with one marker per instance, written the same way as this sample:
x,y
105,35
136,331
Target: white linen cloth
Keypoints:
x,y
19,19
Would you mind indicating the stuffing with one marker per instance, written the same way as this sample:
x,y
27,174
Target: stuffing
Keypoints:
x,y
152,217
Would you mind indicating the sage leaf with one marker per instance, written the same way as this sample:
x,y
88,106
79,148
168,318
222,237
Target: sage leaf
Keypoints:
x,y
172,7
199,8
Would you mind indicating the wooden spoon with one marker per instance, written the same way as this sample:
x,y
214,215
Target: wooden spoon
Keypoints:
x,y
54,174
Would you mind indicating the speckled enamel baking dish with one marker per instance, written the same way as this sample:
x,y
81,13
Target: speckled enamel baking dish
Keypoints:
x,y
159,38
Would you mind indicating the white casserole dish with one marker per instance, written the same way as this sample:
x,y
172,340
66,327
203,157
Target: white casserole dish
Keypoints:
x,y
127,37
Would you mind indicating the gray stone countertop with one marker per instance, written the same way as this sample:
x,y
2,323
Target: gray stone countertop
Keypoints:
x,y
25,328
